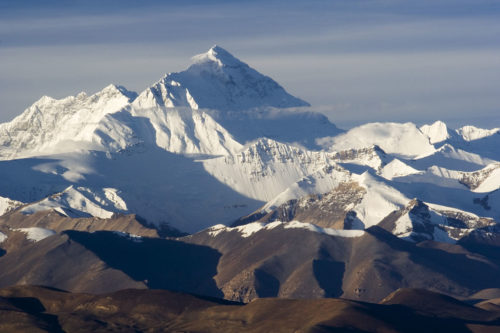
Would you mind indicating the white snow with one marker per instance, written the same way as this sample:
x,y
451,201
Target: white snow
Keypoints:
x,y
459,154
81,202
471,133
403,226
437,223
36,234
3,237
437,132
374,157
492,181
245,230
131,237
380,200
249,229
327,231
449,157
266,168
405,140
7,205
319,182
437,207
112,195
217,229
434,175
485,180
396,168
217,80
51,125
186,131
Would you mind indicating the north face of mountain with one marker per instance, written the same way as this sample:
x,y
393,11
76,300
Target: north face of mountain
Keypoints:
x,y
217,80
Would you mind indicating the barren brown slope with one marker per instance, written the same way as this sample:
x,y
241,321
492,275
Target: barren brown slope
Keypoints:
x,y
381,263
60,262
299,263
105,261
278,262
53,220
40,309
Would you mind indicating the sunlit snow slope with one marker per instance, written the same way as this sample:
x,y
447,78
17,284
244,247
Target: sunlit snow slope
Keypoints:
x,y
221,142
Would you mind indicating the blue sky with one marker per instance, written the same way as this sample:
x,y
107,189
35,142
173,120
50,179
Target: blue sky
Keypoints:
x,y
356,61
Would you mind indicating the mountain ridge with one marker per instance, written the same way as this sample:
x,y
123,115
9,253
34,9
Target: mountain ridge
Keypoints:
x,y
251,149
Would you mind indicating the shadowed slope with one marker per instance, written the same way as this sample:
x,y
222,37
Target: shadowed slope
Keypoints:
x,y
160,263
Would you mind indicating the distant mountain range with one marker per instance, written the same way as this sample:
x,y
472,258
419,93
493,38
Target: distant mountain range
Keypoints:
x,y
216,181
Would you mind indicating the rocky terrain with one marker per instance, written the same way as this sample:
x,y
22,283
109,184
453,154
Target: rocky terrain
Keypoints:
x,y
215,181
39,309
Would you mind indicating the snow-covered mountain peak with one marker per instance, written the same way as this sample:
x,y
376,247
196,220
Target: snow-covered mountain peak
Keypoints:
x,y
405,140
397,168
437,132
372,156
419,221
107,95
471,133
217,55
113,90
50,121
81,202
44,100
219,81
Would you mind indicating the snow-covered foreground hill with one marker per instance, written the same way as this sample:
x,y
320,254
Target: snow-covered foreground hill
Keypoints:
x,y
221,143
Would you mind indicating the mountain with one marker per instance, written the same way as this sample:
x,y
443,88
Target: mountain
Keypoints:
x,y
277,259
164,114
79,152
216,181
472,133
404,140
246,103
217,80
419,221
437,132
51,123
222,128
363,200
